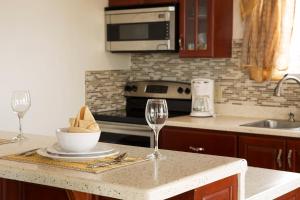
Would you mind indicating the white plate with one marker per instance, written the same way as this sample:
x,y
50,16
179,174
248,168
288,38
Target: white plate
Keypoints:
x,y
100,149
43,152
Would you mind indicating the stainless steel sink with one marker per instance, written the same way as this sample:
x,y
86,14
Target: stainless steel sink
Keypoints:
x,y
275,124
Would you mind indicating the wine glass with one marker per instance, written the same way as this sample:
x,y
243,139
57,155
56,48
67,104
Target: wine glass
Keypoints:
x,y
156,114
20,103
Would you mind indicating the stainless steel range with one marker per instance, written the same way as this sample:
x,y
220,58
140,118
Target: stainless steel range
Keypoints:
x,y
129,126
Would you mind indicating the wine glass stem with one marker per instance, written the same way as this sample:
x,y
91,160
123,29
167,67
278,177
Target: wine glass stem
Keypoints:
x,y
156,134
20,126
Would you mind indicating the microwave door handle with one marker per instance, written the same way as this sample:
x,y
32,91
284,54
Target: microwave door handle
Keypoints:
x,y
165,47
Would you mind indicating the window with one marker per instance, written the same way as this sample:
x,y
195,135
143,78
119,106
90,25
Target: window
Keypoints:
x,y
294,51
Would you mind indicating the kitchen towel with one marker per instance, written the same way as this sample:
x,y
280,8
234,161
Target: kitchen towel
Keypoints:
x,y
6,141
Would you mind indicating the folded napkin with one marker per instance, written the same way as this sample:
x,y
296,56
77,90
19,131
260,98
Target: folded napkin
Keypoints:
x,y
84,122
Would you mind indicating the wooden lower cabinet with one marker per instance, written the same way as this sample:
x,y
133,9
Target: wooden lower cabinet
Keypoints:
x,y
265,152
293,155
16,190
11,190
198,141
273,152
225,189
293,195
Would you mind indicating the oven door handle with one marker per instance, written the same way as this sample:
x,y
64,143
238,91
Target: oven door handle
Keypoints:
x,y
130,129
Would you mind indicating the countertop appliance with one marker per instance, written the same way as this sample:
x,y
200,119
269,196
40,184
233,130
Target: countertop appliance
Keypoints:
x,y
202,98
141,29
129,126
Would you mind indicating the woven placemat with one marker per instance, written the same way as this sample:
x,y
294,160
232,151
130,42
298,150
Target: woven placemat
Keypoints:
x,y
6,141
79,166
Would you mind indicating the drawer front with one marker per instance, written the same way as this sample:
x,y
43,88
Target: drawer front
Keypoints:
x,y
198,141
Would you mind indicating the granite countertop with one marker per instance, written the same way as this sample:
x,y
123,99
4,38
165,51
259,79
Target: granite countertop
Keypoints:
x,y
178,173
263,184
229,123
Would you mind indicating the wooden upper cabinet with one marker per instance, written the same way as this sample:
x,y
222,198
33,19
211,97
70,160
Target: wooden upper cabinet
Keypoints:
x,y
113,3
265,152
149,2
198,141
205,28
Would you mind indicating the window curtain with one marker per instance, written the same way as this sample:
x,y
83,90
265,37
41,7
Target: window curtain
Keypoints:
x,y
267,34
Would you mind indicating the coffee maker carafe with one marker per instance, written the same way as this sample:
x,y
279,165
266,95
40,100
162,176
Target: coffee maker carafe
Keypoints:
x,y
202,98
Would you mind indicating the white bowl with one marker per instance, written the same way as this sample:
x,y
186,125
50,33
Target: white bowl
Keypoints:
x,y
76,142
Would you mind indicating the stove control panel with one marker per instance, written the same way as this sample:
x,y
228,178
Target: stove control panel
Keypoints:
x,y
158,89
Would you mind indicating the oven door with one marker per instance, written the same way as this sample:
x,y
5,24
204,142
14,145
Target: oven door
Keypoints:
x,y
151,29
126,134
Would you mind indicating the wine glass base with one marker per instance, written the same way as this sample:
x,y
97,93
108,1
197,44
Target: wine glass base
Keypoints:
x,y
156,156
18,138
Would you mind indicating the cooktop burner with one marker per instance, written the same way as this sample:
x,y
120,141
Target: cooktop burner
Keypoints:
x,y
121,116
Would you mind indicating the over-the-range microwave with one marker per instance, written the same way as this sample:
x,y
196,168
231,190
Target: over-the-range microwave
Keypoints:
x,y
141,29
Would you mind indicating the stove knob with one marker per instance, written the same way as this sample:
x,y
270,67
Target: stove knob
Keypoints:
x,y
180,90
134,88
128,88
187,91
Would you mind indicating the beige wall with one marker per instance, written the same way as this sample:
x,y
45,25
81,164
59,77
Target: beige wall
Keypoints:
x,y
46,46
238,26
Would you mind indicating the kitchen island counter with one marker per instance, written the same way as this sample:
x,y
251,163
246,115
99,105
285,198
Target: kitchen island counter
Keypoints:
x,y
180,172
266,184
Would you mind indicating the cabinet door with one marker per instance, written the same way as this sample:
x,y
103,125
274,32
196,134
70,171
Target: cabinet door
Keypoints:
x,y
265,152
198,141
205,28
11,190
293,195
195,28
225,189
35,192
113,3
293,155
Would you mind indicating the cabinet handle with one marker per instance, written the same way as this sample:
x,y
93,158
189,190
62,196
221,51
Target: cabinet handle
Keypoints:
x,y
279,162
289,158
181,45
196,149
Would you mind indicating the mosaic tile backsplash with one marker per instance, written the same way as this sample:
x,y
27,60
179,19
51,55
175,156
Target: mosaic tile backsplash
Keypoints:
x,y
232,81
104,89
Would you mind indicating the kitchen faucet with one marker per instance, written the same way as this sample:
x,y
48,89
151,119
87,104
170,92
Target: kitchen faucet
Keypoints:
x,y
277,90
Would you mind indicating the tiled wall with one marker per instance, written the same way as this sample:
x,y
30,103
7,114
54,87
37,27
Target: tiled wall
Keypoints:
x,y
104,89
232,81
